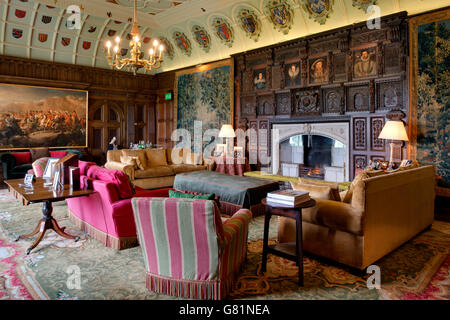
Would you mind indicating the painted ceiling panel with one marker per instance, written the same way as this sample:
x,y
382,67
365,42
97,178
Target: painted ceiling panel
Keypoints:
x,y
196,31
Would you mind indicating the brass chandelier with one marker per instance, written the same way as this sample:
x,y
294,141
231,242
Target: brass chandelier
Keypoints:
x,y
137,60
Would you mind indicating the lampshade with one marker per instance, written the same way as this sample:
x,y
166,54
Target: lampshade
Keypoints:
x,y
227,131
394,130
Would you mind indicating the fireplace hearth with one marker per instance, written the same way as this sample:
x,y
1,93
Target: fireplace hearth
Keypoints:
x,y
311,150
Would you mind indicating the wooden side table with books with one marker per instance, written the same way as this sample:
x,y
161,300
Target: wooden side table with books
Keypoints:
x,y
292,251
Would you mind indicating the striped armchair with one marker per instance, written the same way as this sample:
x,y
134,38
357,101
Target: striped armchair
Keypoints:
x,y
188,251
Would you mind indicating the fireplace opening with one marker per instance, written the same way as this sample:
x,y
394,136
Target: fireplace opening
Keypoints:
x,y
312,156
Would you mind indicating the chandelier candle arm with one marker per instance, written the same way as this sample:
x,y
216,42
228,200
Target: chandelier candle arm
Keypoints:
x,y
137,60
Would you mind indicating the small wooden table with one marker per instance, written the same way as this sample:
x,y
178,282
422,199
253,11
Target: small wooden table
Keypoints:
x,y
46,195
292,251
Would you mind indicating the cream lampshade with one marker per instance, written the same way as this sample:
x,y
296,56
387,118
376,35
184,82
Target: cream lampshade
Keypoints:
x,y
393,130
226,132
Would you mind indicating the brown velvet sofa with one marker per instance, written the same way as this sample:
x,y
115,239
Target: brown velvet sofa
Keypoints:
x,y
154,168
383,212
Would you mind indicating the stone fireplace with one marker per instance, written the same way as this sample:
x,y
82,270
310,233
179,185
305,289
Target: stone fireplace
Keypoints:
x,y
314,150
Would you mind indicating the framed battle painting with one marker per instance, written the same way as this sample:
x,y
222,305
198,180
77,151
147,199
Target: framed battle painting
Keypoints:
x,y
429,116
205,94
42,117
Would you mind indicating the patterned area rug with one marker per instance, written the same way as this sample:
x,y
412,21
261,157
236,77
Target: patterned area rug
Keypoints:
x,y
417,270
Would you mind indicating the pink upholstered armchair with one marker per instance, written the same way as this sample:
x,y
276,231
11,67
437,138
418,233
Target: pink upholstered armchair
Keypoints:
x,y
107,215
188,251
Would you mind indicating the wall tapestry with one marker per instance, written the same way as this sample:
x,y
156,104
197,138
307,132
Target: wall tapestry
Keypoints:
x,y
205,94
42,117
430,94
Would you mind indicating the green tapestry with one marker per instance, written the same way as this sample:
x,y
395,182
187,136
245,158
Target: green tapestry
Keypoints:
x,y
433,98
206,95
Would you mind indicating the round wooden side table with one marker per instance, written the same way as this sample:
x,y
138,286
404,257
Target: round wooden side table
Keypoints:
x,y
292,251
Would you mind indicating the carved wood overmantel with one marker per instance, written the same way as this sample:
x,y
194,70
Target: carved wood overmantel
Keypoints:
x,y
354,73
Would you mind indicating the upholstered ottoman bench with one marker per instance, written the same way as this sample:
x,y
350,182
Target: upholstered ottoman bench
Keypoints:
x,y
235,192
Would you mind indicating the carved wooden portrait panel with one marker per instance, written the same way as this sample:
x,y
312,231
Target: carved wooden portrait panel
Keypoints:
x,y
318,70
292,74
259,79
365,63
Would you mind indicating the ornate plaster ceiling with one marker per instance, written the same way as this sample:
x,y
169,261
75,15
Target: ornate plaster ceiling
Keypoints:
x,y
152,7
194,31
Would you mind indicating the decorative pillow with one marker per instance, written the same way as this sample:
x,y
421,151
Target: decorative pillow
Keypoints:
x,y
156,157
58,154
216,198
361,176
140,154
175,194
315,191
22,157
334,191
84,166
39,166
116,177
38,153
131,161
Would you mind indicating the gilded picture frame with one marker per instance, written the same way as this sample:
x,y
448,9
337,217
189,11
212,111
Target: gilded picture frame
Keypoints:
x,y
27,119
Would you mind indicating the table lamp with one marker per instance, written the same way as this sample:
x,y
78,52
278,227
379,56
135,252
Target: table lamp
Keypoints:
x,y
226,132
393,130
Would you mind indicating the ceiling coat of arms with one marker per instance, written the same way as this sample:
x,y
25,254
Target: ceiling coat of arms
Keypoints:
x,y
168,48
43,37
65,41
250,23
224,31
46,19
280,13
363,4
319,10
202,37
17,33
183,43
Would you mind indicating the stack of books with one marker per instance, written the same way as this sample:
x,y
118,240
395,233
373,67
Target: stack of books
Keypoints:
x,y
287,197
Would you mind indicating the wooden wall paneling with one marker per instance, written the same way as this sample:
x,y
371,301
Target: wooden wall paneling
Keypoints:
x,y
376,125
364,96
359,134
